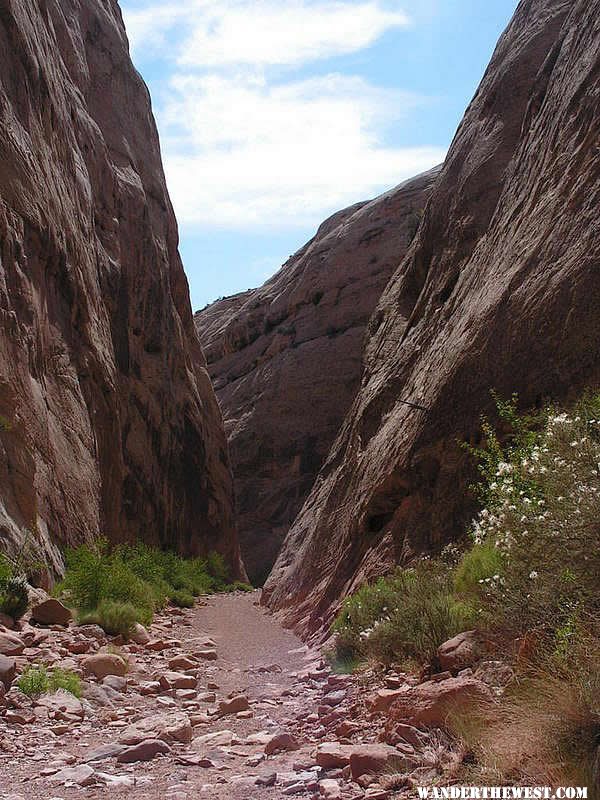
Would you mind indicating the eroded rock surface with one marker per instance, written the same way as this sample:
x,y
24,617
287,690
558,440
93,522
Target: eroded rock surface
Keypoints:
x,y
108,422
286,358
499,291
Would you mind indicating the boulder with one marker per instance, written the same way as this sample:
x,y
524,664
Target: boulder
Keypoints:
x,y
233,705
182,662
460,652
177,680
51,612
379,702
115,682
331,755
281,741
216,739
103,664
105,751
139,634
334,698
330,789
91,631
208,654
8,670
143,751
62,705
494,673
430,703
10,644
82,775
270,779
103,696
20,716
172,726
78,646
369,759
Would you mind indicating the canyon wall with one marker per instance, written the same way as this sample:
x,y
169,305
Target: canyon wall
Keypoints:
x,y
108,422
286,359
500,289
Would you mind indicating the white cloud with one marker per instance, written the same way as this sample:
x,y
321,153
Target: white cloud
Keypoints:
x,y
242,153
225,32
246,145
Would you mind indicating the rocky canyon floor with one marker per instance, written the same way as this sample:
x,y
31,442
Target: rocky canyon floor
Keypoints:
x,y
219,702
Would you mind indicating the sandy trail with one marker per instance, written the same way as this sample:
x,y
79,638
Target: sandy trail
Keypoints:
x,y
256,656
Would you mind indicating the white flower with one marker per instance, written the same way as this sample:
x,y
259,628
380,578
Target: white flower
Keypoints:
x,y
533,574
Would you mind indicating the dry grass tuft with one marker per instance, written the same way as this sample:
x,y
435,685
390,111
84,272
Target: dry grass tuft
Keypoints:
x,y
546,730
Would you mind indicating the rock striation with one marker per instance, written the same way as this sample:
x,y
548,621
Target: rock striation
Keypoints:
x,y
286,358
108,420
499,290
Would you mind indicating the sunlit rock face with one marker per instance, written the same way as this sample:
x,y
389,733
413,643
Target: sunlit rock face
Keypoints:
x,y
109,422
499,290
286,358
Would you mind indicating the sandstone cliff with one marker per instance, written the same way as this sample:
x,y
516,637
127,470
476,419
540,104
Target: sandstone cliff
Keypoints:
x,y
109,423
286,359
499,289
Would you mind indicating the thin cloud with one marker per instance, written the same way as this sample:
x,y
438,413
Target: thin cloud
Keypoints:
x,y
262,32
247,144
240,154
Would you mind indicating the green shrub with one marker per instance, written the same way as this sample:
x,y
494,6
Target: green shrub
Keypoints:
x,y
114,617
123,586
217,570
238,586
14,598
402,618
66,680
477,565
36,680
127,584
6,571
182,598
85,575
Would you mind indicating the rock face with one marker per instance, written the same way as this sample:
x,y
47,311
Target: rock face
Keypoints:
x,y
286,359
108,420
499,290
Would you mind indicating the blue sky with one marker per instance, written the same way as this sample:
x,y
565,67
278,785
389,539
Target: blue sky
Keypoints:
x,y
275,113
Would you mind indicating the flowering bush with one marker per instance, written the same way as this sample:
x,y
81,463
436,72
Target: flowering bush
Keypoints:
x,y
534,559
540,527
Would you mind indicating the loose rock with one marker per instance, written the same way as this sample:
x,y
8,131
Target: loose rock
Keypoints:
x,y
51,612
143,751
103,664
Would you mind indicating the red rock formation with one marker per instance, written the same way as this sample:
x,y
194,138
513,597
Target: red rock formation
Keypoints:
x,y
110,422
286,359
499,290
